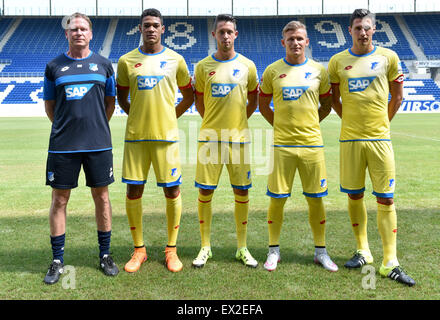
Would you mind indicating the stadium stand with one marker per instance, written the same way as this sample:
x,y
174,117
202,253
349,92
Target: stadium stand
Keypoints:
x,y
427,35
37,40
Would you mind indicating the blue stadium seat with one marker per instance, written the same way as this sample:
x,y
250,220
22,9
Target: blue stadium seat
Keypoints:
x,y
426,31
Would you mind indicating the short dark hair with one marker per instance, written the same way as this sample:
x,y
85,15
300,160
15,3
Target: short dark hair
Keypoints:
x,y
362,13
224,17
151,12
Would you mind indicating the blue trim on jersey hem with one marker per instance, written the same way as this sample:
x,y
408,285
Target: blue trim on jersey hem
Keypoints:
x,y
78,151
68,57
151,54
137,182
316,195
204,186
81,77
178,182
277,195
224,61
354,140
232,142
242,187
294,146
147,140
383,195
295,65
357,191
362,55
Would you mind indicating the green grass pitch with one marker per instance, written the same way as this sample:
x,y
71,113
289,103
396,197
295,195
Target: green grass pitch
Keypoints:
x,y
24,225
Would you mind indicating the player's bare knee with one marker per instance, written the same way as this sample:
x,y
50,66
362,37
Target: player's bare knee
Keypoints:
x,y
205,192
385,201
134,191
171,192
356,196
240,192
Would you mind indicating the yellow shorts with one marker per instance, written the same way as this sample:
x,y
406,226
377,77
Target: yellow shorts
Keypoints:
x,y
378,157
164,156
211,156
310,163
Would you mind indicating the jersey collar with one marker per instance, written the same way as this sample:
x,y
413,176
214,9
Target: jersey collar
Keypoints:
x,y
362,55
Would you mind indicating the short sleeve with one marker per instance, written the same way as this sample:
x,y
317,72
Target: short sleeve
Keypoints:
x,y
395,72
49,90
324,86
122,75
183,77
199,79
266,88
252,78
333,72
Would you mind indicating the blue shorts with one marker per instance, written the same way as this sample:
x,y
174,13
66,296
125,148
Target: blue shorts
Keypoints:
x,y
62,169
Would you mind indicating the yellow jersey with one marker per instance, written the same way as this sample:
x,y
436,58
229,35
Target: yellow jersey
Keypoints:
x,y
296,90
152,80
225,86
364,86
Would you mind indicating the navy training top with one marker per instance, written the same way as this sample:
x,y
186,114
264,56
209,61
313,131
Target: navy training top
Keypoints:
x,y
78,87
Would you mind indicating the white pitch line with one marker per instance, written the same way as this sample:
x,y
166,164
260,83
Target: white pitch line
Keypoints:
x,y
414,136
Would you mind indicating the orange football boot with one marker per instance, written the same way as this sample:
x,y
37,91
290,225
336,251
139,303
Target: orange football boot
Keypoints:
x,y
138,257
172,260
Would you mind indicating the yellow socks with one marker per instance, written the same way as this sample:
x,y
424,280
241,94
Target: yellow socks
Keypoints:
x,y
275,216
358,218
387,225
205,218
241,218
173,212
134,214
317,220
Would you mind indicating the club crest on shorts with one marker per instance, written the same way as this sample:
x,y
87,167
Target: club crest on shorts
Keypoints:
x,y
248,175
51,176
323,183
392,182
174,172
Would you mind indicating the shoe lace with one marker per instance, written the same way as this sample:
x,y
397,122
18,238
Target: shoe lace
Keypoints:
x,y
52,268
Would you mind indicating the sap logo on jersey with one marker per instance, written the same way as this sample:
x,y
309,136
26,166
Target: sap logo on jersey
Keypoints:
x,y
293,93
359,84
77,91
220,90
148,82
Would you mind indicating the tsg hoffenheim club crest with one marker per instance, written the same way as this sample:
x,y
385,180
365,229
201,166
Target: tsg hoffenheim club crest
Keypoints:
x,y
93,66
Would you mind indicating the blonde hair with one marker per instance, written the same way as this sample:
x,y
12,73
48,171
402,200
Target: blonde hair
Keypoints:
x,y
293,26
79,15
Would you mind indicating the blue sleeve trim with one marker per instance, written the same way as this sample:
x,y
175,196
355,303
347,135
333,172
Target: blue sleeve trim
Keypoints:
x,y
384,195
277,195
231,142
80,77
128,181
316,195
171,184
352,191
204,186
364,140
110,86
146,140
78,151
49,90
294,146
242,187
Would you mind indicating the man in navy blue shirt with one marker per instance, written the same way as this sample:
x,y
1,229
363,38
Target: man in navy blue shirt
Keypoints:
x,y
79,96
